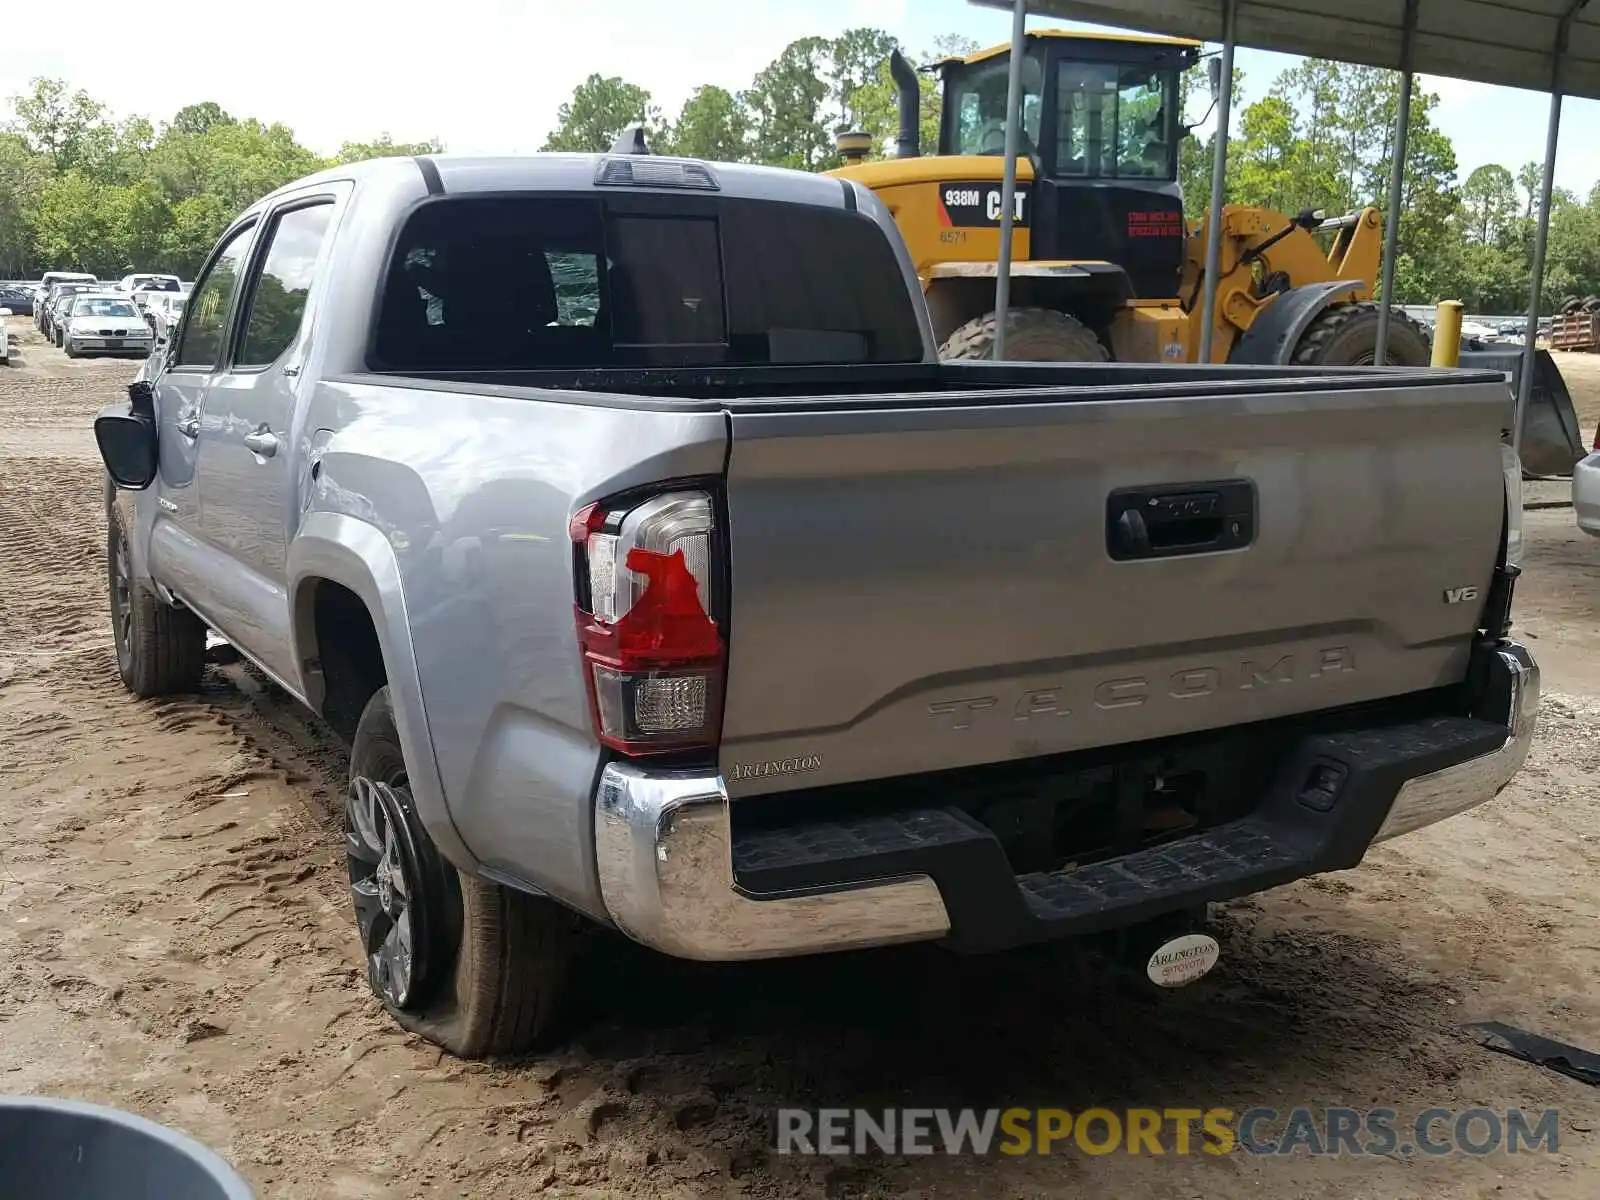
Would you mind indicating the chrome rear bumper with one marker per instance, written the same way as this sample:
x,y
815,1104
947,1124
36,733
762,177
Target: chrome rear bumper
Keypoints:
x,y
663,844
665,841
1430,798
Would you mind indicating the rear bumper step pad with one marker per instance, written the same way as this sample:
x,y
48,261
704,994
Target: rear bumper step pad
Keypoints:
x,y
1288,836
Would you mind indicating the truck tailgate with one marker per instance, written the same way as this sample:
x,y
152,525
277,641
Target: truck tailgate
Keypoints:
x,y
920,584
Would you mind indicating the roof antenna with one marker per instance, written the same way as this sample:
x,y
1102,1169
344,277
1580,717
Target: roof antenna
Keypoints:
x,y
630,141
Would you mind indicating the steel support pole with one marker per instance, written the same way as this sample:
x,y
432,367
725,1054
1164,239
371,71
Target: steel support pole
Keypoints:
x,y
1219,179
1008,181
1397,181
1541,237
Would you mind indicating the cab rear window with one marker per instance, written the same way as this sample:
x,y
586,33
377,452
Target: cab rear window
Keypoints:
x,y
536,282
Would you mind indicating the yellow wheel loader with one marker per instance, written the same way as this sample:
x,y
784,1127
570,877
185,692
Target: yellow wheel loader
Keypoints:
x,y
1105,263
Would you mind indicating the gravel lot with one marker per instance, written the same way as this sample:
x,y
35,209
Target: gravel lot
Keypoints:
x,y
175,939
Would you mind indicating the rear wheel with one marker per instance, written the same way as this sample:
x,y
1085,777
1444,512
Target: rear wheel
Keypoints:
x,y
474,967
1032,335
161,649
1346,335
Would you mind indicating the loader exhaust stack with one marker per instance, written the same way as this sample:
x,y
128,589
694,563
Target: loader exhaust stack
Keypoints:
x,y
909,93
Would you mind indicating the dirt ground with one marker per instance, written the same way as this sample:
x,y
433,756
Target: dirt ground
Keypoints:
x,y
175,938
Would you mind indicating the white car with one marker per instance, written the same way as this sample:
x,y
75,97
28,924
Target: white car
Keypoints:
x,y
1486,334
5,338
162,311
105,323
133,283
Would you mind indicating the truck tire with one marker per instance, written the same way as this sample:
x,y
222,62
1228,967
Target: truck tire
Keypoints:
x,y
1346,335
161,649
1032,335
474,967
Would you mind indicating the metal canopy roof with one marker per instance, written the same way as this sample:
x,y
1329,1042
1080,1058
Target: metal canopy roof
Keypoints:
x,y
1509,42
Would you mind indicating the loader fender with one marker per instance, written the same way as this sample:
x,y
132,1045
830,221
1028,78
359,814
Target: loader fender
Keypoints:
x,y
1273,336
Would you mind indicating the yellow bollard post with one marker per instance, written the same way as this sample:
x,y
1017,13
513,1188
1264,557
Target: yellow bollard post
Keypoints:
x,y
1447,335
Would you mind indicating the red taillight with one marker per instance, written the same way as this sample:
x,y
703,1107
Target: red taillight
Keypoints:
x,y
652,652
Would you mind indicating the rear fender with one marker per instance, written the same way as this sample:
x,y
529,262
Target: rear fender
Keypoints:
x,y
1274,334
350,552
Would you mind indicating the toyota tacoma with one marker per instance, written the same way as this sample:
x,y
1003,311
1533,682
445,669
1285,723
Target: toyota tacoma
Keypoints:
x,y
618,511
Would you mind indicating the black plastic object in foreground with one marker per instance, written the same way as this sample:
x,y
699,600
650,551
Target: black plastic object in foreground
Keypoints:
x,y
127,438
1571,1061
64,1150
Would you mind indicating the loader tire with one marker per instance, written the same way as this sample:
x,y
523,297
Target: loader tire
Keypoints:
x,y
1032,335
483,969
1346,335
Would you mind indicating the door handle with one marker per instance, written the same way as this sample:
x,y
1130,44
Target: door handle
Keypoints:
x,y
263,442
189,426
1162,522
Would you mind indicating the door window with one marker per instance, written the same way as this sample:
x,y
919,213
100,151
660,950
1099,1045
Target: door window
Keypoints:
x,y
208,307
1114,122
978,98
278,300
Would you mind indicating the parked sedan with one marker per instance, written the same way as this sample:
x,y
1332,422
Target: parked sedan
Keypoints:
x,y
57,297
18,300
105,324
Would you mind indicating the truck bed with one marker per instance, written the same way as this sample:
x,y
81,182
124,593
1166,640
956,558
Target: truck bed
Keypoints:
x,y
930,569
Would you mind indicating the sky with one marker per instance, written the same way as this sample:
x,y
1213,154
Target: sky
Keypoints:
x,y
486,76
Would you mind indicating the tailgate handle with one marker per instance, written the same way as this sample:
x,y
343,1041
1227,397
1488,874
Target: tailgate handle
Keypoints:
x,y
1191,518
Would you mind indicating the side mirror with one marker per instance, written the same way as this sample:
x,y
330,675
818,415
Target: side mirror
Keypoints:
x,y
126,436
1214,76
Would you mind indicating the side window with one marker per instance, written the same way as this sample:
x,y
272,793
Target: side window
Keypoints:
x,y
208,310
278,300
576,275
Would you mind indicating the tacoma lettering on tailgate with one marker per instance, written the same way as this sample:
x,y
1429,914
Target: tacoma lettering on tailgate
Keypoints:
x,y
1129,691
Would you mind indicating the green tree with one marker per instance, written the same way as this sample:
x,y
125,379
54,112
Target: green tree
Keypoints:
x,y
602,107
1429,199
70,127
788,107
23,174
1489,198
712,124
197,223
858,59
1262,161
386,147
196,119
1530,178
74,223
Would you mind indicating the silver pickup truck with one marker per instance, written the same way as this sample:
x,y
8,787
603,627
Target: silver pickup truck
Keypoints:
x,y
619,512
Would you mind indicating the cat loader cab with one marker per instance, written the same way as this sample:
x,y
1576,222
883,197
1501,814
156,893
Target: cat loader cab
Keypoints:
x,y
1105,262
